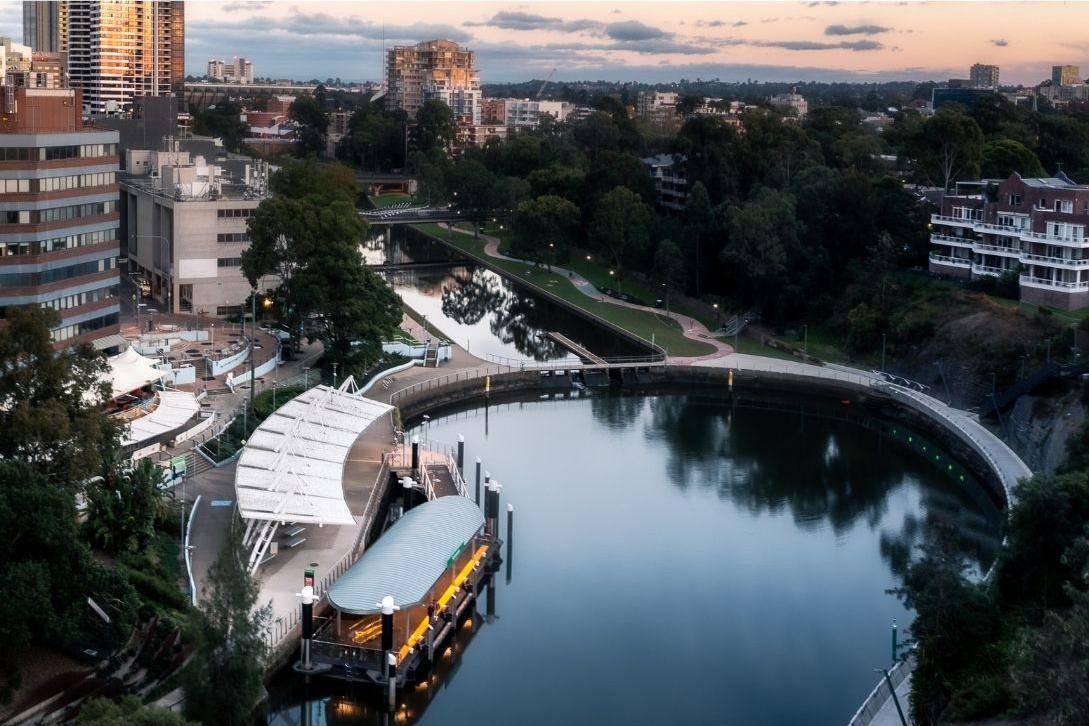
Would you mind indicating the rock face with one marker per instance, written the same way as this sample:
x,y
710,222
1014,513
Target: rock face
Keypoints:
x,y
1039,428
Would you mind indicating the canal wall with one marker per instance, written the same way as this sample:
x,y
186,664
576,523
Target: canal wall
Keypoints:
x,y
968,442
548,295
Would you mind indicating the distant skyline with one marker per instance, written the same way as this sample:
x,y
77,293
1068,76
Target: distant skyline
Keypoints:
x,y
654,42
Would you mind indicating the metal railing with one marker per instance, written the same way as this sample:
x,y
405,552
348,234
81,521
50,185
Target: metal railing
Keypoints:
x,y
1083,262
1043,281
965,261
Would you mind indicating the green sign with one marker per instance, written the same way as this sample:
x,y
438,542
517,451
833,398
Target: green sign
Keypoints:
x,y
177,464
453,558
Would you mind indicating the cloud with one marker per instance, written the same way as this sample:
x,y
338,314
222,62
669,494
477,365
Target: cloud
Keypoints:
x,y
856,30
804,45
515,20
631,30
232,7
1000,42
719,23
309,25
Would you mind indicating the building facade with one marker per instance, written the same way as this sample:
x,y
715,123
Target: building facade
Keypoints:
x,y
42,23
793,103
1065,75
1034,228
120,49
434,69
58,213
239,70
184,220
983,76
670,180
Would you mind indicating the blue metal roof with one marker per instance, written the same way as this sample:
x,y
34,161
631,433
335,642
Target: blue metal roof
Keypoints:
x,y
408,559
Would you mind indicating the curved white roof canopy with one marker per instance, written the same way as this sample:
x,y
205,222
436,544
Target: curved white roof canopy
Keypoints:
x,y
174,409
293,465
409,558
128,371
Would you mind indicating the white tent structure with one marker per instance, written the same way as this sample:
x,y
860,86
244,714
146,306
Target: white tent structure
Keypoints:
x,y
173,410
292,467
128,371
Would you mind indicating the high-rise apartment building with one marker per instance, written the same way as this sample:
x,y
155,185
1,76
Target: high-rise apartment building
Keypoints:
x,y
1065,75
240,70
983,76
58,213
43,22
434,69
121,49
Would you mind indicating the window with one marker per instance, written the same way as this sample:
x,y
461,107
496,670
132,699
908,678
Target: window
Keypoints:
x,y
58,214
1064,231
1015,200
234,213
229,261
1064,206
44,277
225,237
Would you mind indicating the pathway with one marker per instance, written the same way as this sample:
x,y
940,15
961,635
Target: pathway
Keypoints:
x,y
690,327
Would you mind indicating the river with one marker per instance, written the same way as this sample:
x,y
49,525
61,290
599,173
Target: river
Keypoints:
x,y
684,558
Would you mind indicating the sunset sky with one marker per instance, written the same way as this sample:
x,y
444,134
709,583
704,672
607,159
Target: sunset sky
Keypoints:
x,y
659,41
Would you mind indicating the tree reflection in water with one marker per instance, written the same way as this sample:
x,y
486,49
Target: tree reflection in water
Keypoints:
x,y
819,471
469,294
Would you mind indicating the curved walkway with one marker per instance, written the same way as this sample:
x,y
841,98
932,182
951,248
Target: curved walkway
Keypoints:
x,y
690,327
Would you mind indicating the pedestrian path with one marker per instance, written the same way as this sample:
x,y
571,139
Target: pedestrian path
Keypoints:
x,y
690,327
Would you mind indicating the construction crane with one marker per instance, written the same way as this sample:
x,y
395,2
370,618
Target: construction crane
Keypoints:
x,y
545,84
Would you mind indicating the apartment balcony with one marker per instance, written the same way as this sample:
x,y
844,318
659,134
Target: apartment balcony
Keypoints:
x,y
957,221
947,260
948,239
978,269
1003,229
1065,263
997,250
1072,242
1045,284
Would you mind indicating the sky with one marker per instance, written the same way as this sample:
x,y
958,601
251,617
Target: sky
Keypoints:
x,y
648,41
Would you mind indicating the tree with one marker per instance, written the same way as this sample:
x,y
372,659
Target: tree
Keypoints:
x,y
546,220
51,409
620,225
123,506
308,112
669,265
560,181
761,235
474,185
699,223
128,711
375,139
1003,157
222,121
947,147
313,178
434,126
226,678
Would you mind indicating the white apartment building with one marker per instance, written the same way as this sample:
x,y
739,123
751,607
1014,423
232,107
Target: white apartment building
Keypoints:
x,y
434,69
1035,228
651,102
792,102
184,218
239,70
670,179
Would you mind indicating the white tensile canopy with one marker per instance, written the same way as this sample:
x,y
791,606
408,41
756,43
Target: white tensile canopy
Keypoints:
x,y
173,410
130,370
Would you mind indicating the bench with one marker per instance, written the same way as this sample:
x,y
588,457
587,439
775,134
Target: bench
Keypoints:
x,y
295,532
295,543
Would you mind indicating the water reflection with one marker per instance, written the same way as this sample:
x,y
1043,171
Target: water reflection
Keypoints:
x,y
726,549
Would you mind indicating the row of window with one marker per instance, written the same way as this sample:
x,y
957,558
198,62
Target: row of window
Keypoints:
x,y
232,237
57,183
229,261
65,302
70,331
49,153
71,241
44,277
234,213
57,214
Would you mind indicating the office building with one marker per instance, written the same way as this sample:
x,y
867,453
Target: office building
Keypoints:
x,y
1065,75
1033,228
983,76
121,49
58,213
42,24
184,219
22,67
434,69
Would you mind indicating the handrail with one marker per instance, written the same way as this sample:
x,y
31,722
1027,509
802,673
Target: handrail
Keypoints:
x,y
188,559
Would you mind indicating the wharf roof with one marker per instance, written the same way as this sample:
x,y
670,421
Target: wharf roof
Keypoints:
x,y
407,561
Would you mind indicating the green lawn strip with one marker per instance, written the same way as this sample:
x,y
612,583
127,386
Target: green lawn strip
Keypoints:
x,y
751,346
822,345
420,321
664,331
388,200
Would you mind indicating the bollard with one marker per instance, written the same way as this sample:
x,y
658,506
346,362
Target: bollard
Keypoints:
x,y
387,628
415,454
478,481
307,596
391,669
407,499
491,509
510,540
461,455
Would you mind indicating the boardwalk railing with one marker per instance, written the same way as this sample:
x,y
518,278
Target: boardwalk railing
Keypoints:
x,y
880,694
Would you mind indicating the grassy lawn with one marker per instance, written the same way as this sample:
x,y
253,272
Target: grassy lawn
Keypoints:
x,y
650,326
822,345
420,321
388,200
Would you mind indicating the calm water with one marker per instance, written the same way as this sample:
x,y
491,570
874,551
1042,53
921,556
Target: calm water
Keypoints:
x,y
681,560
483,312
